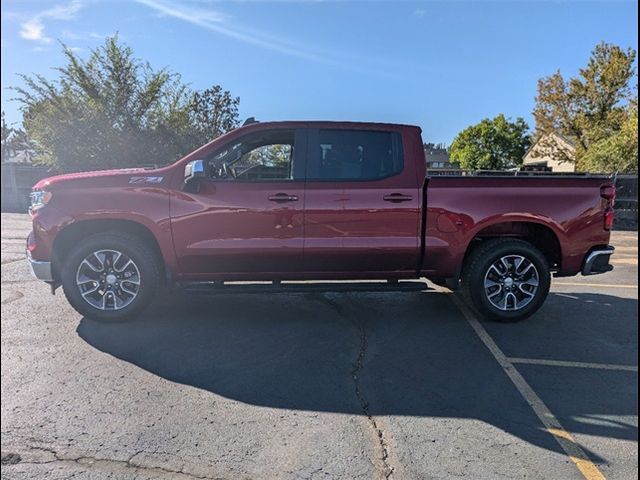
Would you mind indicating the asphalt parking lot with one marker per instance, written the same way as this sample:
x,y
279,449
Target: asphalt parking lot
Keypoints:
x,y
310,386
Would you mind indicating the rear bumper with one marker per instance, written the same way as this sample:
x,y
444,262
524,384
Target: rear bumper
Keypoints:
x,y
40,269
597,261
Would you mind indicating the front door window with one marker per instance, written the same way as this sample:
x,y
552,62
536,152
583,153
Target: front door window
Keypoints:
x,y
262,156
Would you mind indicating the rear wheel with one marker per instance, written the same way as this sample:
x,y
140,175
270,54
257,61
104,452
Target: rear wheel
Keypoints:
x,y
506,279
110,276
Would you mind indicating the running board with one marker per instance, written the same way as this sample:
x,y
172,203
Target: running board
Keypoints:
x,y
208,288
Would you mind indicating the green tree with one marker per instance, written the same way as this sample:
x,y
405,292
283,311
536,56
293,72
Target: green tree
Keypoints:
x,y
492,144
14,140
617,152
113,110
6,134
213,111
592,109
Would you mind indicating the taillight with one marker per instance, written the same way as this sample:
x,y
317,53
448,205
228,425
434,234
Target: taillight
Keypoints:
x,y
608,192
609,215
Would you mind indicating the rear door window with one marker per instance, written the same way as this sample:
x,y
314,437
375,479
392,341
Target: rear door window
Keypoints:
x,y
353,155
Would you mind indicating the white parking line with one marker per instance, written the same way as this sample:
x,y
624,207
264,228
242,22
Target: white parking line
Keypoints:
x,y
596,285
573,450
563,363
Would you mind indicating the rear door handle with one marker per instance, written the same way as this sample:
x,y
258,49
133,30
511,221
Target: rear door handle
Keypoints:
x,y
283,198
397,198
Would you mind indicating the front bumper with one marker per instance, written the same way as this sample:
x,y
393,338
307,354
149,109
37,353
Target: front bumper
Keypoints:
x,y
40,269
598,261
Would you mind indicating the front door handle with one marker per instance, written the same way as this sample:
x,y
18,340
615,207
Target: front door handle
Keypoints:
x,y
283,198
397,198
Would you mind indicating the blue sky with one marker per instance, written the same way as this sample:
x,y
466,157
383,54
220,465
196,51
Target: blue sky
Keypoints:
x,y
440,65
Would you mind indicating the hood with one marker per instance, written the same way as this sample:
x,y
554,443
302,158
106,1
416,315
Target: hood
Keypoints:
x,y
84,176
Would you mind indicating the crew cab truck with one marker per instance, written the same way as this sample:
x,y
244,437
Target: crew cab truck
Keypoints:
x,y
291,201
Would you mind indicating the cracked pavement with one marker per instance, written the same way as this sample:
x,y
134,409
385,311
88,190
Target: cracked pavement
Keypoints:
x,y
307,386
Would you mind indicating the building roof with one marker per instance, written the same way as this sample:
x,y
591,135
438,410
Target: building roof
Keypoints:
x,y
557,135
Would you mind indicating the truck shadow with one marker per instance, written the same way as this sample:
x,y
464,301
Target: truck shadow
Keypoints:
x,y
409,355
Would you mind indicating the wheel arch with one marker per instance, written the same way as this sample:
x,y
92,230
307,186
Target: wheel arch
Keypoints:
x,y
540,235
77,231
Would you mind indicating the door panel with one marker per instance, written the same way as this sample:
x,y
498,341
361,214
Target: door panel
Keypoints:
x,y
239,226
359,226
354,229
234,227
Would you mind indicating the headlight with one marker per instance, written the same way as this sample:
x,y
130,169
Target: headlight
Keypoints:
x,y
39,198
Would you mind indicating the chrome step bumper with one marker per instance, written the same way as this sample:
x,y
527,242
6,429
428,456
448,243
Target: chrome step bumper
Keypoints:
x,y
598,261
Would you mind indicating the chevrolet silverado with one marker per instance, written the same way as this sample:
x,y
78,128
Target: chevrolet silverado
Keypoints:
x,y
293,205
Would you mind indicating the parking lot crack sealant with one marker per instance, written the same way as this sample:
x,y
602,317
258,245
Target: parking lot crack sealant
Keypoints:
x,y
358,365
123,467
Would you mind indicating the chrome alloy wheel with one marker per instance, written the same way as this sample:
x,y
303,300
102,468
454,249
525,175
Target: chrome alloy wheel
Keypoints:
x,y
511,282
108,280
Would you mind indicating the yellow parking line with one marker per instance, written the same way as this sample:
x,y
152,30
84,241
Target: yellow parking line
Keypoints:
x,y
573,450
588,469
563,363
597,285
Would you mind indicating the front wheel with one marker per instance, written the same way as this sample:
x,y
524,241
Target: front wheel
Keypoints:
x,y
506,279
110,276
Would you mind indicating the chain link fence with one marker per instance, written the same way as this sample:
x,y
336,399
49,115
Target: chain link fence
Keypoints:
x,y
17,181
626,202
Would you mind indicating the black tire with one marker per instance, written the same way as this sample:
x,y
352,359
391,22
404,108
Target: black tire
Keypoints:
x,y
479,263
144,259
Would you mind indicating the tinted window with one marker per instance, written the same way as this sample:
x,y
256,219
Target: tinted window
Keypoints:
x,y
264,156
355,155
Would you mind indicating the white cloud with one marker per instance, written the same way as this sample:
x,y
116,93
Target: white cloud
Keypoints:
x,y
33,28
216,21
64,12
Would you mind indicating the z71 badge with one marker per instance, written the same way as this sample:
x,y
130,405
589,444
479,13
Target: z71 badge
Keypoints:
x,y
145,179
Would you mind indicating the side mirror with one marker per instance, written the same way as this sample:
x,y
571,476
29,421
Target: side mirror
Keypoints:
x,y
193,172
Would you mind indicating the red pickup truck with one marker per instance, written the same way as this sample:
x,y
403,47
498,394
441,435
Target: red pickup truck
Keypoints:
x,y
284,202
